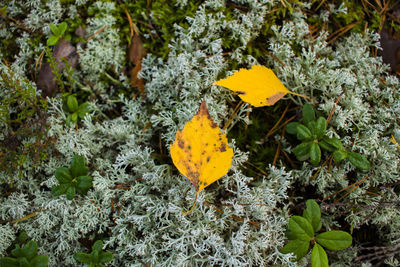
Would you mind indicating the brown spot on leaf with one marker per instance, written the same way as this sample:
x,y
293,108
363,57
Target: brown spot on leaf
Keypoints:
x,y
275,98
208,159
181,143
222,148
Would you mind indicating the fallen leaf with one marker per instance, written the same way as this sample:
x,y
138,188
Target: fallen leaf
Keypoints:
x,y
45,80
201,152
258,86
136,53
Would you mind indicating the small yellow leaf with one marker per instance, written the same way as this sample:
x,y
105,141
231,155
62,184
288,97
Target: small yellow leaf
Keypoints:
x,y
258,86
200,151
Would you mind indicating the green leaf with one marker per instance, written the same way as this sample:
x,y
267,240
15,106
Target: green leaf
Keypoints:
x,y
290,235
40,261
70,192
333,141
291,127
320,127
8,262
23,262
298,247
105,257
303,132
334,240
22,237
30,249
84,182
311,125
78,167
301,228
17,252
358,160
302,151
315,153
83,257
98,245
92,265
62,27
339,155
95,256
308,113
313,214
83,110
52,40
324,145
319,257
72,103
63,175
59,190
74,117
54,29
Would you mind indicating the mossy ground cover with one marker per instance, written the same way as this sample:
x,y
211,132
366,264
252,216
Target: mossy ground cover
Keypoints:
x,y
24,143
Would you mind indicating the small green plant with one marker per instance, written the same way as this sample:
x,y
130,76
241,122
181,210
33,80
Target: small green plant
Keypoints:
x,y
73,180
58,32
25,256
312,134
301,233
96,258
75,110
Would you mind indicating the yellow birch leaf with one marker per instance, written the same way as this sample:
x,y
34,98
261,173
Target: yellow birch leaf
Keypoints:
x,y
201,152
258,86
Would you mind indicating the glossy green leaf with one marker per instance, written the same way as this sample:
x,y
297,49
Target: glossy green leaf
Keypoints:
x,y
78,167
23,262
303,132
333,141
22,237
72,103
74,117
40,261
301,228
325,146
319,257
358,160
291,127
83,110
320,127
17,251
312,125
298,247
302,151
8,262
315,153
30,249
96,256
308,113
98,245
84,182
71,191
83,257
63,175
290,235
313,214
59,190
339,155
62,27
334,240
105,257
52,40
54,29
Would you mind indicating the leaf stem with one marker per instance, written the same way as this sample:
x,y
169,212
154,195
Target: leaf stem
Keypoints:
x,y
194,204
